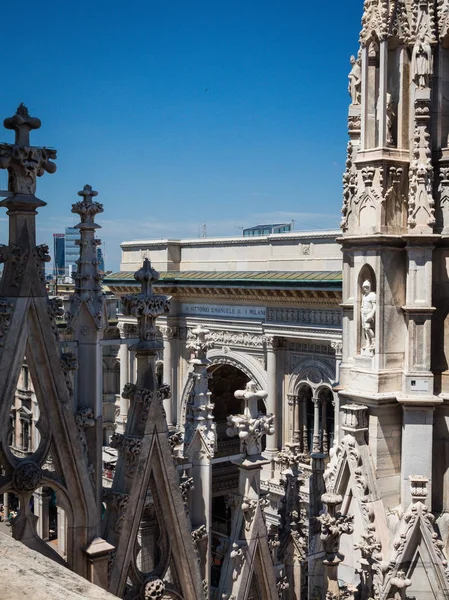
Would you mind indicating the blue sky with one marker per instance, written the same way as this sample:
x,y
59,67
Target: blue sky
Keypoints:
x,y
184,112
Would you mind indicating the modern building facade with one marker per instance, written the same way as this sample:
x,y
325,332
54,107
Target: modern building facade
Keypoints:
x,y
100,258
59,254
267,229
71,248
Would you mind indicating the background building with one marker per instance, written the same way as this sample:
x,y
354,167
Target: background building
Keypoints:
x,y
72,251
59,254
100,258
267,229
271,305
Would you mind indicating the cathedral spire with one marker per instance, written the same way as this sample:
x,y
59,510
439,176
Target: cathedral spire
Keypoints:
x,y
145,493
87,278
200,444
24,272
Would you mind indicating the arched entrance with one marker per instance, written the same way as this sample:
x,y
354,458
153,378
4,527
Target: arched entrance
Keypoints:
x,y
225,380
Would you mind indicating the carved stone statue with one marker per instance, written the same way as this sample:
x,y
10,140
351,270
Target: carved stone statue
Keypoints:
x,y
355,81
389,114
389,119
368,311
422,68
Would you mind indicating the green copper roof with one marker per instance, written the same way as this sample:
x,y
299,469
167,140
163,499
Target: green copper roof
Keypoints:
x,y
311,278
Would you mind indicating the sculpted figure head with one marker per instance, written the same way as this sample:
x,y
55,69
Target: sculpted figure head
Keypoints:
x,y
366,287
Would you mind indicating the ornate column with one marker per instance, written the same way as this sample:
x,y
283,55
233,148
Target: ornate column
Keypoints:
x,y
273,345
333,525
294,402
200,444
324,432
42,511
62,532
305,431
337,346
170,335
316,442
124,378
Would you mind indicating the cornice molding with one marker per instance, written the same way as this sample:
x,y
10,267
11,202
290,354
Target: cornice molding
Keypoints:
x,y
231,241
307,298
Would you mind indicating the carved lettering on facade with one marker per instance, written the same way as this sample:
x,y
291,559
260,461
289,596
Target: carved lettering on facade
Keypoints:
x,y
305,316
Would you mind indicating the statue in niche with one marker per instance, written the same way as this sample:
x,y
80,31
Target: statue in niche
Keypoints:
x,y
389,115
389,120
355,81
422,62
368,311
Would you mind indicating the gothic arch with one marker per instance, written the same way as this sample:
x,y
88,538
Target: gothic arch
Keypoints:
x,y
244,362
312,372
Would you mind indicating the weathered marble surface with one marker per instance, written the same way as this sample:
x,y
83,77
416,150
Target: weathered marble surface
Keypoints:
x,y
29,574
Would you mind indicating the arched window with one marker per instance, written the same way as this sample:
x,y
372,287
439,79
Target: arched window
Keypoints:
x,y
327,419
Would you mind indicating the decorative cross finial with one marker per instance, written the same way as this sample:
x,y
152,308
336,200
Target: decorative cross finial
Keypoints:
x,y
86,208
24,162
22,124
146,276
252,425
201,343
146,306
88,193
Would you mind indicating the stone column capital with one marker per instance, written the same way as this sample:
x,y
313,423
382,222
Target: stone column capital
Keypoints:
x,y
273,342
337,346
169,332
292,399
122,329
355,418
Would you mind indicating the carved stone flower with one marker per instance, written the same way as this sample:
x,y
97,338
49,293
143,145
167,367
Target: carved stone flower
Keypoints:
x,y
154,589
27,476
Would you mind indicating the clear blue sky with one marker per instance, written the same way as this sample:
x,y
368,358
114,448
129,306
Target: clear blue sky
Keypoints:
x,y
184,112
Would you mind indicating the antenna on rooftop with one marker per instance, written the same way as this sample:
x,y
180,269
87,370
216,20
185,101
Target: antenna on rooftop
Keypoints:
x,y
204,230
293,224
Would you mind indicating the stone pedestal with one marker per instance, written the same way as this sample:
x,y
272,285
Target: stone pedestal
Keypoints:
x,y
42,512
98,553
417,438
62,532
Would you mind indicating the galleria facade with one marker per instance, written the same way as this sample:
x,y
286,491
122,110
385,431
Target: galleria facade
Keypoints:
x,y
271,306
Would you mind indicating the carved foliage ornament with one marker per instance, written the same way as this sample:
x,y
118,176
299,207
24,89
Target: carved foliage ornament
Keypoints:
x,y
87,209
399,23
6,310
27,476
131,448
375,20
24,165
119,505
443,18
145,397
153,589
421,203
200,343
349,187
423,20
16,258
